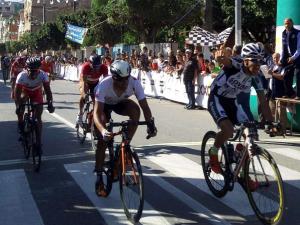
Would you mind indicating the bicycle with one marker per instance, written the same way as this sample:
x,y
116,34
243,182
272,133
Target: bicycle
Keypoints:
x,y
122,164
250,165
29,137
87,120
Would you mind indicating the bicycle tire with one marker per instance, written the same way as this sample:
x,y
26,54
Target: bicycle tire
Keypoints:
x,y
82,129
26,137
36,154
107,174
266,187
94,136
217,183
132,185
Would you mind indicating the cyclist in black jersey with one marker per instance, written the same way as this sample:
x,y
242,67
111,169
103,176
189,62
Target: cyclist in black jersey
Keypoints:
x,y
235,77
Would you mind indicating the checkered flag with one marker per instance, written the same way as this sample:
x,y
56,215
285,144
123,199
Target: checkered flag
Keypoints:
x,y
199,36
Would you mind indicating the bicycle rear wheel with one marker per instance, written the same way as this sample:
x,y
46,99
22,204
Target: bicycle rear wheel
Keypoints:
x,y
267,198
82,128
216,182
132,186
35,150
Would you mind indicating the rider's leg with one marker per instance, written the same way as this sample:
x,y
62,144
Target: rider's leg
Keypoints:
x,y
226,132
129,108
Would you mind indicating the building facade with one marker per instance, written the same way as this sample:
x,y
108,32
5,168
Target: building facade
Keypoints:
x,y
37,12
9,20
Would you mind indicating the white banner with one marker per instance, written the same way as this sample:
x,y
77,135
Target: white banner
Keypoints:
x,y
157,84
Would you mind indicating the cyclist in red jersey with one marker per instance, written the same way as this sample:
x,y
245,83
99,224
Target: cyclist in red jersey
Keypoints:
x,y
17,67
47,66
29,84
90,74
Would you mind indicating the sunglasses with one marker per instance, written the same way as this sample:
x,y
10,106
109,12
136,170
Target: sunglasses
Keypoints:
x,y
256,61
118,78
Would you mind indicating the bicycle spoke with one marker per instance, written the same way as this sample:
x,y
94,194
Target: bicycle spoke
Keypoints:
x,y
267,199
131,188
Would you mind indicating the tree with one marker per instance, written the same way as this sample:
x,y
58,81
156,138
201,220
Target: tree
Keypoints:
x,y
260,13
146,19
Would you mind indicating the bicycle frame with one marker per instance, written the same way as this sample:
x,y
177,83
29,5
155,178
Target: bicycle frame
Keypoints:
x,y
249,146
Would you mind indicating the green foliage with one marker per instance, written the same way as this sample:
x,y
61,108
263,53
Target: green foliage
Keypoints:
x,y
258,17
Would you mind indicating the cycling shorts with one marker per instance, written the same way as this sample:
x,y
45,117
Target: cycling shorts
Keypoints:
x,y
222,108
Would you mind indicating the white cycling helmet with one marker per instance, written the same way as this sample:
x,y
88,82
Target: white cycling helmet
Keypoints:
x,y
120,68
253,50
48,58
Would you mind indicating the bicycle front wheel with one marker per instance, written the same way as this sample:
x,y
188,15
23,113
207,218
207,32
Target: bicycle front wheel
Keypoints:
x,y
36,151
264,187
216,182
132,186
94,136
82,128
26,137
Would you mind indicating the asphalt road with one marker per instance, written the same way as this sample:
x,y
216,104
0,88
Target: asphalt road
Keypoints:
x,y
175,192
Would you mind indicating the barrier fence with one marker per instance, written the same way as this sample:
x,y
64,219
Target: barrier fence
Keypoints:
x,y
155,84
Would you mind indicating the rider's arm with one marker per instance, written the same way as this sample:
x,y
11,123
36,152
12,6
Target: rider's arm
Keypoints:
x,y
264,106
17,94
83,80
99,116
146,109
48,91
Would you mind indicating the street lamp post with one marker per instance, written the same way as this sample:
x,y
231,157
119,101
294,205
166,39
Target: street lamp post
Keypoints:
x,y
238,22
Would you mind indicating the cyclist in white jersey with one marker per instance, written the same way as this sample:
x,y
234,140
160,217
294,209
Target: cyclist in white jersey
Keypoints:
x,y
222,105
111,94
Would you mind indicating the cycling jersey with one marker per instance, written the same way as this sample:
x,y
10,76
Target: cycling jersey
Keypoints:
x,y
47,67
232,81
32,88
91,74
105,93
16,68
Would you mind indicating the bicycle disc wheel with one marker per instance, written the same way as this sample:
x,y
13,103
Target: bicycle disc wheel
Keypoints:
x,y
132,187
81,129
94,136
36,152
216,182
266,196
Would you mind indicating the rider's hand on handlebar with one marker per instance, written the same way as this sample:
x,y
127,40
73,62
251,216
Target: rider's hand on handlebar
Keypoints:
x,y
50,107
151,129
106,135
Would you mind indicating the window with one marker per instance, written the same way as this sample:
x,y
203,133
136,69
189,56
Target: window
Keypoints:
x,y
7,9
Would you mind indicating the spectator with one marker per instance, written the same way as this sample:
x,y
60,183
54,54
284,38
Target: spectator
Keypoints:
x,y
276,90
290,55
145,59
160,61
213,69
190,75
201,63
179,64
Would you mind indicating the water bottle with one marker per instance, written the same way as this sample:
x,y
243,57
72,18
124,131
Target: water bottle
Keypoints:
x,y
230,151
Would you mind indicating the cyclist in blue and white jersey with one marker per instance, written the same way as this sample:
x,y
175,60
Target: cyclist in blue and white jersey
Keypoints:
x,y
235,77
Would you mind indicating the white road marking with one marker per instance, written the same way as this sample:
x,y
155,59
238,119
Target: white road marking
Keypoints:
x,y
110,208
17,205
192,172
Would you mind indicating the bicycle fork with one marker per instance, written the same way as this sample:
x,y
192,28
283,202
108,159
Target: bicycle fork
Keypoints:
x,y
126,160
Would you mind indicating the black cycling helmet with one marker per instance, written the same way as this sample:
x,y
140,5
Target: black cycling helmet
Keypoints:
x,y
95,60
253,50
33,63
